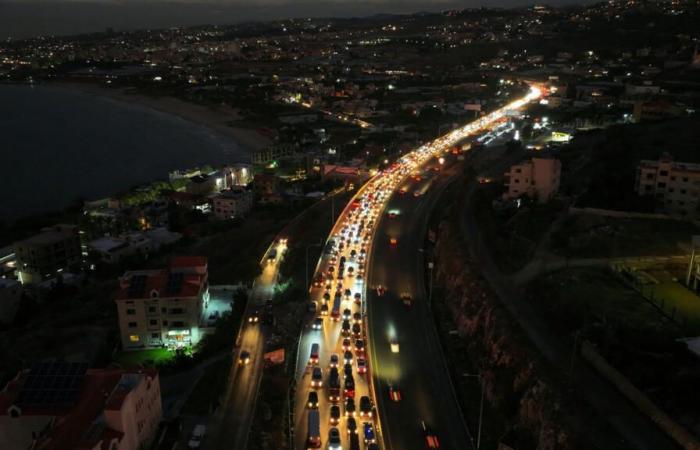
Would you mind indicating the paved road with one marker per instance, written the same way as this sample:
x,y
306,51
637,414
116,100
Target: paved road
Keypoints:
x,y
422,367
419,368
231,424
330,341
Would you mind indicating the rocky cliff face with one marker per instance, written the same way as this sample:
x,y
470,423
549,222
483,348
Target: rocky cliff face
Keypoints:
x,y
513,376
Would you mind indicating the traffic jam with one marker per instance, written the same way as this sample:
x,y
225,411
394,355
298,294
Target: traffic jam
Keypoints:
x,y
338,372
339,376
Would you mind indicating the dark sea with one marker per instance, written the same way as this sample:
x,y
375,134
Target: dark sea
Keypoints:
x,y
58,144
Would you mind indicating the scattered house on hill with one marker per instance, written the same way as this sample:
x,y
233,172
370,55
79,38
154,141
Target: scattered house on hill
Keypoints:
x,y
674,185
537,178
232,203
54,250
655,110
205,184
267,188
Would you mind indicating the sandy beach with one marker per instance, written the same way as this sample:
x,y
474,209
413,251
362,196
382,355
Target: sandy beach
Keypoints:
x,y
217,119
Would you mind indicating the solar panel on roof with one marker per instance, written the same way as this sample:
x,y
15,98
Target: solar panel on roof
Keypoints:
x,y
174,283
137,285
52,383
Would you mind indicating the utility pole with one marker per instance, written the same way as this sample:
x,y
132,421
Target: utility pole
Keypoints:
x,y
332,209
481,406
573,355
481,414
430,291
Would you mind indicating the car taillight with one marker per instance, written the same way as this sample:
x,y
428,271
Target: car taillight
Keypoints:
x,y
433,442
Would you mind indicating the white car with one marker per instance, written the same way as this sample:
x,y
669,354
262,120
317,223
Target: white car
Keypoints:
x,y
197,436
394,345
334,442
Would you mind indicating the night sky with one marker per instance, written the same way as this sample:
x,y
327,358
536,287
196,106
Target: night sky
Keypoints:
x,y
20,19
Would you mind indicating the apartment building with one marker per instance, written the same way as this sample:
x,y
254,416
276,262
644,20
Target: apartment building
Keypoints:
x,y
43,255
65,406
238,175
675,185
114,249
163,307
537,178
232,203
267,188
10,297
274,152
655,110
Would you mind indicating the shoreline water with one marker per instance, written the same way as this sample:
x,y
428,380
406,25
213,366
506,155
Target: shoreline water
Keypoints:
x,y
90,170
213,119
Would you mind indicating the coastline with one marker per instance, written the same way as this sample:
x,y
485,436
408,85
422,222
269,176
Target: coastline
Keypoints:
x,y
215,119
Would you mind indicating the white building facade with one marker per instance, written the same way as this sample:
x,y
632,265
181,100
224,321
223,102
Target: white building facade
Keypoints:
x,y
537,178
675,185
164,308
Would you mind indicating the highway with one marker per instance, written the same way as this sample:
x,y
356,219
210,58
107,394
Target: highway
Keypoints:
x,y
420,367
330,340
231,424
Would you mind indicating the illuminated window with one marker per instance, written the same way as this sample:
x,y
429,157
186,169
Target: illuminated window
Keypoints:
x,y
134,338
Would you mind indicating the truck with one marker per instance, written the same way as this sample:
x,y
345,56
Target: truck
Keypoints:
x,y
354,441
334,385
313,434
335,312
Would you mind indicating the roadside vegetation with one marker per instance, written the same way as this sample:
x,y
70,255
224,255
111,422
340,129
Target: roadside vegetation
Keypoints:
x,y
205,396
638,335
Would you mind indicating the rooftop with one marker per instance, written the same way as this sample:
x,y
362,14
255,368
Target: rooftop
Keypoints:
x,y
678,166
232,193
185,277
79,416
49,235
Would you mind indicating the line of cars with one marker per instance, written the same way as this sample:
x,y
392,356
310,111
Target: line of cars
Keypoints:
x,y
347,250
339,289
356,231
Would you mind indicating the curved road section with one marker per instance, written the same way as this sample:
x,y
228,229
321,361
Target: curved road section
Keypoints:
x,y
231,424
418,370
401,348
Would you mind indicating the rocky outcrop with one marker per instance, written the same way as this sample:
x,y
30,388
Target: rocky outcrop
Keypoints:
x,y
512,373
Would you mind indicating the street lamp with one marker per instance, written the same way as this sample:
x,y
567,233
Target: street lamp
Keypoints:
x,y
306,260
430,290
481,406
